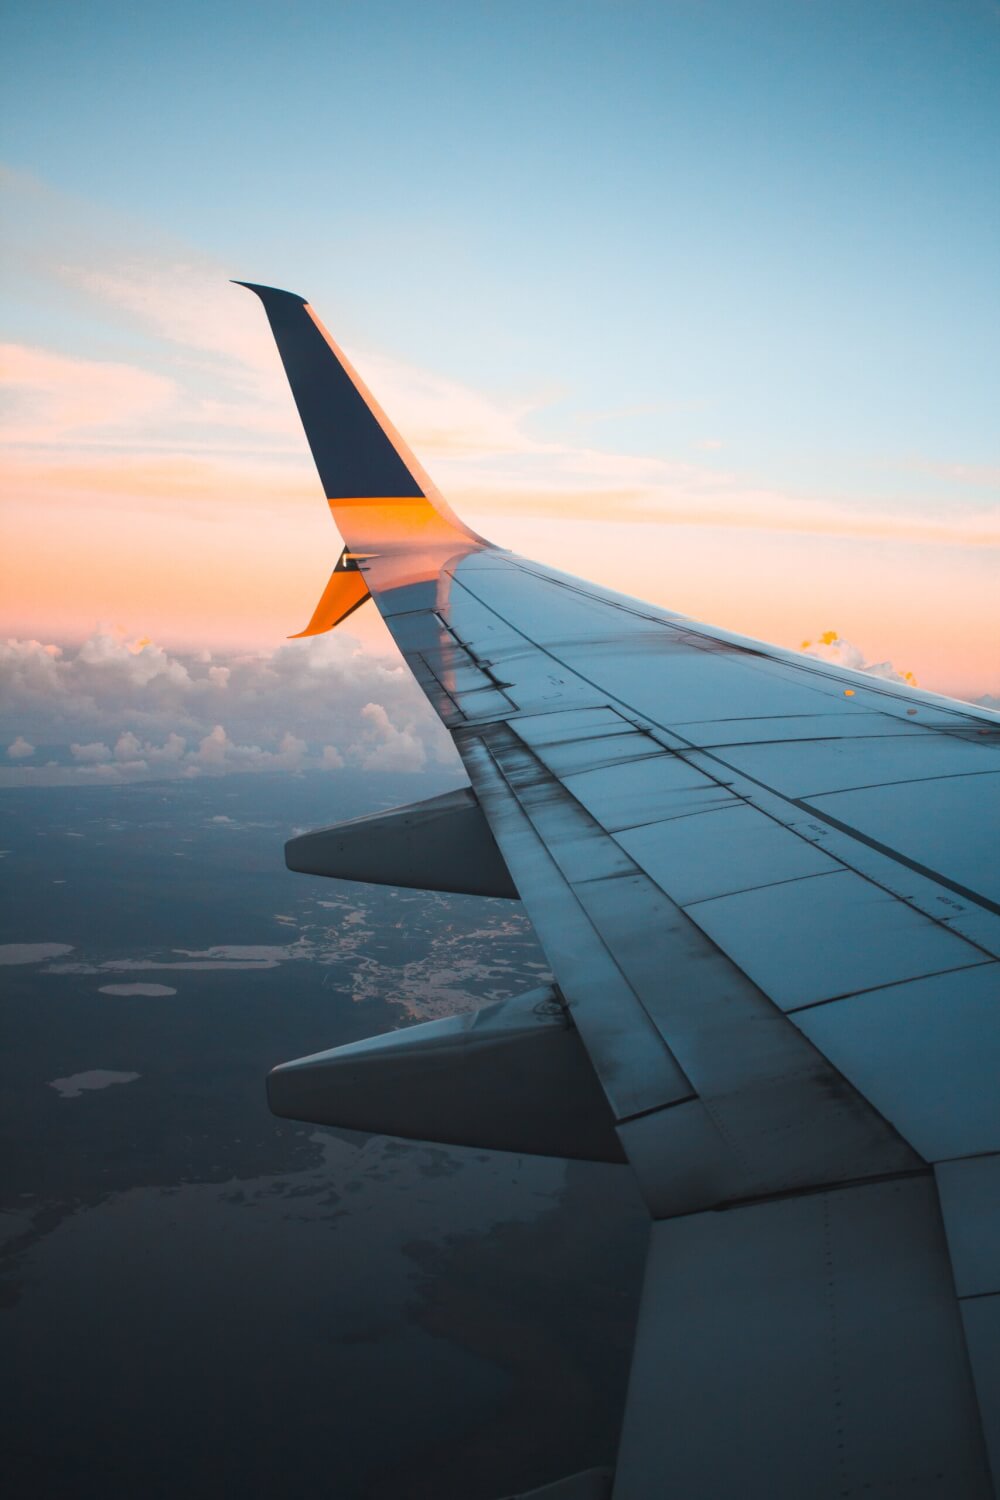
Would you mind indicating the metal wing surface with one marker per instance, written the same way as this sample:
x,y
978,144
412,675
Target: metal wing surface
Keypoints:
x,y
769,891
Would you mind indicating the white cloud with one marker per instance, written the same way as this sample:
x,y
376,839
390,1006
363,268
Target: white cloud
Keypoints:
x,y
217,750
91,754
125,709
122,710
386,747
169,753
291,749
29,666
138,660
127,746
832,648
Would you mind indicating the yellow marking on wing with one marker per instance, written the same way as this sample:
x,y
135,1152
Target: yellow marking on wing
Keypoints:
x,y
346,592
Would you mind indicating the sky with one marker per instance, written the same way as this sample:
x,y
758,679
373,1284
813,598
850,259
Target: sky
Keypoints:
x,y
698,299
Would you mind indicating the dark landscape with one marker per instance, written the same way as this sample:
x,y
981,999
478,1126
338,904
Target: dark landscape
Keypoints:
x,y
201,1299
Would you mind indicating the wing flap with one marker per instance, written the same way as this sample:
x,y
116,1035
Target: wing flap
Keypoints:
x,y
769,1112
807,1346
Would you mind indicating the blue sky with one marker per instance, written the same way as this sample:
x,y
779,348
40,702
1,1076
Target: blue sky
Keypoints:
x,y
788,213
754,240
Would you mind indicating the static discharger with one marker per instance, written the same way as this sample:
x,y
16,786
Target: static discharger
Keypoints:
x,y
346,592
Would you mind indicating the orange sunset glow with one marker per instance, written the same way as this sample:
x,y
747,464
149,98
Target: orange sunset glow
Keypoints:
x,y
176,497
230,565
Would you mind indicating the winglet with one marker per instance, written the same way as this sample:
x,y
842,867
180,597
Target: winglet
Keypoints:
x,y
354,454
362,461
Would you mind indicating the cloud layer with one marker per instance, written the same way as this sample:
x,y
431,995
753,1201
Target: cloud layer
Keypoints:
x,y
114,709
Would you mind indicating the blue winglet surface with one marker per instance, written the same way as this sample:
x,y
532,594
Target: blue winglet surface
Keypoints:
x,y
354,455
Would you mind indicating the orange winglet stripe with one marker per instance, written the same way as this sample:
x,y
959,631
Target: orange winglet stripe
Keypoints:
x,y
394,523
345,593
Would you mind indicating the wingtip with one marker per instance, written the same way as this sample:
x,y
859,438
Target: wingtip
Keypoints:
x,y
263,292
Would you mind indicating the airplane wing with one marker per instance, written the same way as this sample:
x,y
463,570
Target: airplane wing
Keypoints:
x,y
769,890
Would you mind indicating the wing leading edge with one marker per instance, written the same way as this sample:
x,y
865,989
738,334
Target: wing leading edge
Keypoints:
x,y
768,890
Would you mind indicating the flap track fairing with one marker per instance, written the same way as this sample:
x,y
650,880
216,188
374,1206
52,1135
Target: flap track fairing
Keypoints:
x,y
510,1077
441,844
